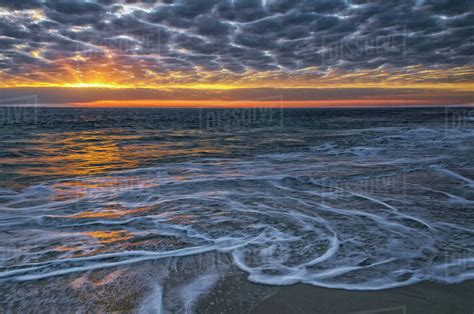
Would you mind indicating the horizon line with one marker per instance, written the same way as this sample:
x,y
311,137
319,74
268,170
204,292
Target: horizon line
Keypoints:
x,y
254,105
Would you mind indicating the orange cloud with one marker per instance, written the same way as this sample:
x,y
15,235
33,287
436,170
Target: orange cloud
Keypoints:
x,y
254,103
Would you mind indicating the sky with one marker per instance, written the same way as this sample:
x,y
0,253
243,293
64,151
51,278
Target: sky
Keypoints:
x,y
188,53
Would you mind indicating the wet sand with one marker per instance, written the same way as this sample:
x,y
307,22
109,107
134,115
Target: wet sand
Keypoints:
x,y
130,289
425,297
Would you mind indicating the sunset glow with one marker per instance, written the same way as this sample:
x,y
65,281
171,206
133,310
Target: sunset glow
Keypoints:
x,y
456,79
261,103
218,48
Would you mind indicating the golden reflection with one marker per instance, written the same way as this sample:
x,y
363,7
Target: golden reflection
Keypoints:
x,y
74,154
111,212
107,237
85,157
86,153
66,248
104,242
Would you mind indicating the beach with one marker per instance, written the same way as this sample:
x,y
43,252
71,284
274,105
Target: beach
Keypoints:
x,y
155,210
237,156
134,289
423,297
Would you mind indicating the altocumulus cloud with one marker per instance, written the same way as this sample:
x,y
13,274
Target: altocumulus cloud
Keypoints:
x,y
214,41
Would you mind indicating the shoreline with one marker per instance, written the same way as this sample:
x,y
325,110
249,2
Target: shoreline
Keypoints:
x,y
423,297
211,283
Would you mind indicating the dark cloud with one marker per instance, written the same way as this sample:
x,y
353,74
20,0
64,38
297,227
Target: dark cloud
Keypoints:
x,y
75,7
19,5
54,96
238,35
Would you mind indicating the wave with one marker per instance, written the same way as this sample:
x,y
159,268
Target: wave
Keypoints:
x,y
283,219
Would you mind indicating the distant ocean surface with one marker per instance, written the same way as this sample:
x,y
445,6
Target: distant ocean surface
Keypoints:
x,y
361,199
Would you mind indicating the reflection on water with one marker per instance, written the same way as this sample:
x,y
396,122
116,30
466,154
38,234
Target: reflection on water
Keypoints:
x,y
111,212
91,243
70,153
85,153
105,237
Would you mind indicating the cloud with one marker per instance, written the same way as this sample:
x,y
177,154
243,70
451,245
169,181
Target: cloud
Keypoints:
x,y
150,39
278,96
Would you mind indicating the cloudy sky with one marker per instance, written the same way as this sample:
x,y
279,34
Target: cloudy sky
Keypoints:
x,y
208,52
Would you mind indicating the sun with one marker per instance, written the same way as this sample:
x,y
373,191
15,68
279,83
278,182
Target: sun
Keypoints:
x,y
92,85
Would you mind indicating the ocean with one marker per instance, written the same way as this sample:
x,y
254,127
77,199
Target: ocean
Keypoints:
x,y
161,204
